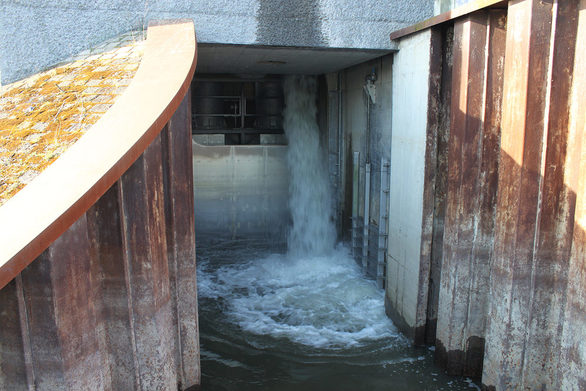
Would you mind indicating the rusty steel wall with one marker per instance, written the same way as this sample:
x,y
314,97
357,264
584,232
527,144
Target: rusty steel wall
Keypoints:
x,y
112,303
572,352
539,237
511,305
478,54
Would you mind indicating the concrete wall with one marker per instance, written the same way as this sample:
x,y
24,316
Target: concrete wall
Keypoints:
x,y
442,6
408,163
355,117
241,192
356,139
37,34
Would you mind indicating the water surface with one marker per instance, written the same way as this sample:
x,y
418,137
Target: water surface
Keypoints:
x,y
271,322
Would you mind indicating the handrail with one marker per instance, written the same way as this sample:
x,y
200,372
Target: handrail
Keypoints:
x,y
45,208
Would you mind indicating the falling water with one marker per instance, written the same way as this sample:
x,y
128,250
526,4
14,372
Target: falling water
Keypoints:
x,y
305,318
312,232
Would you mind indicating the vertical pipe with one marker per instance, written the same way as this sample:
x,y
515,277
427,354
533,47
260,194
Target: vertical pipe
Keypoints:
x,y
382,223
355,183
340,194
367,141
366,219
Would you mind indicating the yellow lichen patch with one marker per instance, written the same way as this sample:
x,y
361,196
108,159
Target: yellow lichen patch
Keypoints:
x,y
42,116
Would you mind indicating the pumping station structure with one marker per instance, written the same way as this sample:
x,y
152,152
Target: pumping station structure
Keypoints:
x,y
314,194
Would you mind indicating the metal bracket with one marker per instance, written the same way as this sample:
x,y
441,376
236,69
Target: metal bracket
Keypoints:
x,y
370,90
369,86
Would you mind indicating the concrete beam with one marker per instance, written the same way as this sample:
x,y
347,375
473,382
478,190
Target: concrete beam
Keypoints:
x,y
36,34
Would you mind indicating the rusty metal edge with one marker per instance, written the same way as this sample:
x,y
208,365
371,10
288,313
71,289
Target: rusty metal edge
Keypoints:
x,y
463,10
42,211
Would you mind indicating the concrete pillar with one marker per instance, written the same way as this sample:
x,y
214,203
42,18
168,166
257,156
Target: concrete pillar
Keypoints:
x,y
535,236
416,126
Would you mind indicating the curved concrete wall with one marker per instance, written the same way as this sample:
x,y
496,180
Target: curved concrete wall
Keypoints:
x,y
39,33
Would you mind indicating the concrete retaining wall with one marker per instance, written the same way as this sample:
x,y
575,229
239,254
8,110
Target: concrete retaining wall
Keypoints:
x,y
354,108
408,163
241,192
37,34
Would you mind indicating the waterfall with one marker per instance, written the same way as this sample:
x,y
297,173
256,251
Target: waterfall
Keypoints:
x,y
305,319
310,197
315,295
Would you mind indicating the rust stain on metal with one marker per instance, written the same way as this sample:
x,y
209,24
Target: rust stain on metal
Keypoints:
x,y
145,259
471,192
431,152
181,240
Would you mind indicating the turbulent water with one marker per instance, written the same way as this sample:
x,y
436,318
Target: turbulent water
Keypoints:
x,y
280,319
317,301
313,294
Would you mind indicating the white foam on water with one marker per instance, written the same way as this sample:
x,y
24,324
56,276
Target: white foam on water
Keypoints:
x,y
317,301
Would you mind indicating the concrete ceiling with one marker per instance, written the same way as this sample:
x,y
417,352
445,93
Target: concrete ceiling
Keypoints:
x,y
245,59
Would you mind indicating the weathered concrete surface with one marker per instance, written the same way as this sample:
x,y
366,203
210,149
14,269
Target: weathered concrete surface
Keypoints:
x,y
111,304
411,69
471,191
241,191
441,6
373,145
37,34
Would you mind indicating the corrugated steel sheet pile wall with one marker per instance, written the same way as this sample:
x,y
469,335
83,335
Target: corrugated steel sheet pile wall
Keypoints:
x,y
510,307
